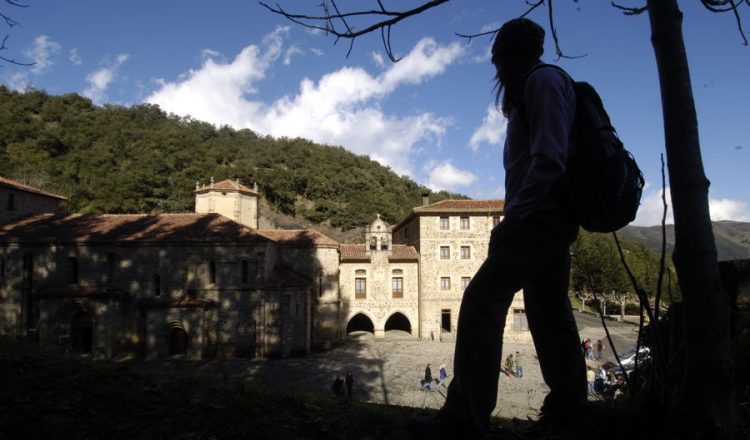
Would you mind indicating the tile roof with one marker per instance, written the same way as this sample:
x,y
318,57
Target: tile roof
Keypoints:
x,y
485,206
109,228
227,185
8,183
299,237
463,206
358,252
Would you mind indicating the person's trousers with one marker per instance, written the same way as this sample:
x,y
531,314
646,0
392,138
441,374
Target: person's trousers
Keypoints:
x,y
533,256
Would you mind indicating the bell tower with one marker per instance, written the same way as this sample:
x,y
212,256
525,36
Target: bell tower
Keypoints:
x,y
229,198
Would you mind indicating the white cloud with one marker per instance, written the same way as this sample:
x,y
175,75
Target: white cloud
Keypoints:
x,y
378,59
74,57
99,80
340,108
726,209
652,208
492,129
42,52
290,52
443,175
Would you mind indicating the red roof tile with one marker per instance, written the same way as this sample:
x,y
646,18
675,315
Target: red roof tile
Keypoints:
x,y
8,183
358,252
463,206
109,228
486,206
299,237
226,185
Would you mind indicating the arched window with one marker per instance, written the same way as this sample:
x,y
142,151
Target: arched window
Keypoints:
x,y
373,243
244,271
156,284
212,272
384,244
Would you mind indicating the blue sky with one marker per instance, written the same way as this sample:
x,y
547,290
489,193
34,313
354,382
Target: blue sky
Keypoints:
x,y
430,116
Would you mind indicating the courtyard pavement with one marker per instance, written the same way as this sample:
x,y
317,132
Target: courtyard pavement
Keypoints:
x,y
389,371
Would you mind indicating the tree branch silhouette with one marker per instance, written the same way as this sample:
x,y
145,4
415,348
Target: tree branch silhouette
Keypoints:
x,y
11,23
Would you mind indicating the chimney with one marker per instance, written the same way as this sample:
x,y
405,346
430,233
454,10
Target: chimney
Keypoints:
x,y
425,199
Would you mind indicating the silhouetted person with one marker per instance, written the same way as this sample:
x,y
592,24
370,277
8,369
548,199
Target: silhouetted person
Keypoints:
x,y
427,381
349,385
338,386
528,250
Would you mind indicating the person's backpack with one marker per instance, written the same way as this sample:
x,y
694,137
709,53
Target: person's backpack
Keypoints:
x,y
603,177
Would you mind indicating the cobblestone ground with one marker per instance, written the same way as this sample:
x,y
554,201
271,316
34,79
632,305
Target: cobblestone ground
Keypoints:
x,y
389,371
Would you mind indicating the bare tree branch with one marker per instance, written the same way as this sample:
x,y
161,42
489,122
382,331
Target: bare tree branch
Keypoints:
x,y
326,22
630,10
11,23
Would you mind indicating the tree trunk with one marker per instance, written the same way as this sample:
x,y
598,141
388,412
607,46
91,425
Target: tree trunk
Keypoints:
x,y
708,395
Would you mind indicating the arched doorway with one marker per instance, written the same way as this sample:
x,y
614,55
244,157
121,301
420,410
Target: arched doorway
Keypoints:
x,y
178,341
398,321
360,323
81,332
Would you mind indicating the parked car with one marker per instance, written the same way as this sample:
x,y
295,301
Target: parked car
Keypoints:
x,y
627,360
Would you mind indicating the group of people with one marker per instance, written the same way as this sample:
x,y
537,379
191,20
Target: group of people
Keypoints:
x,y
588,349
343,388
429,383
514,365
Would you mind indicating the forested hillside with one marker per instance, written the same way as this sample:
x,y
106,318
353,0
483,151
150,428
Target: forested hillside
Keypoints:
x,y
138,159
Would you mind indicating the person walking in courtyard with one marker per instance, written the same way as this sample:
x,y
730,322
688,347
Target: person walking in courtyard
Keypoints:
x,y
510,364
528,250
590,380
442,374
427,381
599,349
349,385
519,366
338,386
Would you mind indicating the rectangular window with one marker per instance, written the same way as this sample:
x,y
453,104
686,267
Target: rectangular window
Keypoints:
x,y
445,252
111,267
464,223
465,252
360,288
519,320
73,270
28,267
444,223
445,283
465,282
397,287
11,202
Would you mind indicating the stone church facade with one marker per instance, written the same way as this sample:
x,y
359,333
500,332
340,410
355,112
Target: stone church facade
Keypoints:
x,y
211,284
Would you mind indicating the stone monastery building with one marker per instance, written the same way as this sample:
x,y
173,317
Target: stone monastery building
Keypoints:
x,y
212,284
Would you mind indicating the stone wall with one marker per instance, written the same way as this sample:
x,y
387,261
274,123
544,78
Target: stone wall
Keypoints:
x,y
379,303
436,301
135,295
15,204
